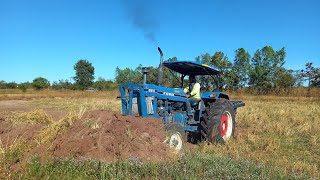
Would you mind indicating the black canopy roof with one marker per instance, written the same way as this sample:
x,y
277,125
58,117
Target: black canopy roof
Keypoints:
x,y
191,68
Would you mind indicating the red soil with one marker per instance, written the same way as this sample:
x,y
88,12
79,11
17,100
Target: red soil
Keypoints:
x,y
117,137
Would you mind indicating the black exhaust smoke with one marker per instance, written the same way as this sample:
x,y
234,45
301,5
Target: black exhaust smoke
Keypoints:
x,y
142,15
160,68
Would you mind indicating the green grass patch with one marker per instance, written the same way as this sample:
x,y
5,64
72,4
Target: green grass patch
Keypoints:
x,y
189,166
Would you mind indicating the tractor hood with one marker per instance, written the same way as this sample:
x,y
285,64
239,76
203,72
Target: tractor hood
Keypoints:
x,y
191,68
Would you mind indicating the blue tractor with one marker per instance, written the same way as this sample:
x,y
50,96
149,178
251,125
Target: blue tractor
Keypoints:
x,y
214,114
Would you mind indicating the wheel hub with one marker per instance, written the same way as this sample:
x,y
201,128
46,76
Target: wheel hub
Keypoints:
x,y
224,125
175,141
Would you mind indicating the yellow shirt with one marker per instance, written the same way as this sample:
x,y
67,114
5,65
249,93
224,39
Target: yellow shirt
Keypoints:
x,y
195,93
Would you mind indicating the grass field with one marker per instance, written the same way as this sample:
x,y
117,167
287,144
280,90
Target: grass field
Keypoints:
x,y
277,137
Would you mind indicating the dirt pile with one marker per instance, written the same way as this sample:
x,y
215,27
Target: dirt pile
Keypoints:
x,y
11,133
99,135
108,136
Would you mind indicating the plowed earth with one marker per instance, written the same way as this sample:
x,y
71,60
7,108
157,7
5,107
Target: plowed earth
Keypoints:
x,y
108,136
99,135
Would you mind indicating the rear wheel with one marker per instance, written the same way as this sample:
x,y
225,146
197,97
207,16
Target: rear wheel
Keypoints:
x,y
218,122
175,136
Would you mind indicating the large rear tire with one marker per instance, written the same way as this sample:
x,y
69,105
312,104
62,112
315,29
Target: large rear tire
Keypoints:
x,y
175,136
218,121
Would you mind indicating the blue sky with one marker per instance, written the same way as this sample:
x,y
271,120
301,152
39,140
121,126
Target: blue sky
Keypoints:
x,y
46,38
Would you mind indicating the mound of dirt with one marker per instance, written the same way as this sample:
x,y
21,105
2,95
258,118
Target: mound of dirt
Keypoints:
x,y
107,136
11,133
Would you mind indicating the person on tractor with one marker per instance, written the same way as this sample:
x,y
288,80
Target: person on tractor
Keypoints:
x,y
193,92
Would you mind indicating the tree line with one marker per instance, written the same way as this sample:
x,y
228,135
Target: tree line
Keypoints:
x,y
83,80
261,73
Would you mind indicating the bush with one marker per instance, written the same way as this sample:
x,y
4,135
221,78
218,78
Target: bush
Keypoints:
x,y
40,83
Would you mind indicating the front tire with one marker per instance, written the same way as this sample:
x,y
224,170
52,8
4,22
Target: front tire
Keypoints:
x,y
218,122
175,136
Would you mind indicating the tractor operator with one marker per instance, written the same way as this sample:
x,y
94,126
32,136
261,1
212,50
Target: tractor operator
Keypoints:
x,y
193,92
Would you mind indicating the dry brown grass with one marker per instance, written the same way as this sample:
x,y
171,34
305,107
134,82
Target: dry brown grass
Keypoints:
x,y
52,131
92,123
111,104
32,117
67,99
15,94
13,152
5,146
281,132
290,92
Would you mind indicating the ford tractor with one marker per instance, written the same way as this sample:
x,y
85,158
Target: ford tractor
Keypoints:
x,y
213,116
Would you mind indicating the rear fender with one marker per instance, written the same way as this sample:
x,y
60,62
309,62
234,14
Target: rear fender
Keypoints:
x,y
214,95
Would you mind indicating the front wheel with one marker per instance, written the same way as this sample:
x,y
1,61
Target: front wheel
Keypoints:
x,y
176,136
218,122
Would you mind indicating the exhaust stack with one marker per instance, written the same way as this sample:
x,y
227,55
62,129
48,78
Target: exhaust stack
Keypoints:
x,y
160,68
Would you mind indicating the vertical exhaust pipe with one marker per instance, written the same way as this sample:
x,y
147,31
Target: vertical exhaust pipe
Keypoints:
x,y
160,68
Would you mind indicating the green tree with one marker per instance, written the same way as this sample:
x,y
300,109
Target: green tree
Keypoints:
x,y
12,85
24,86
84,74
221,61
298,77
2,84
285,79
40,83
102,84
240,68
207,83
9,85
62,84
128,75
198,59
312,75
265,66
152,76
171,78
316,82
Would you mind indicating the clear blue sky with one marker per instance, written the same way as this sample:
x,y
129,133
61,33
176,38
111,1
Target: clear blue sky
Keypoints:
x,y
47,37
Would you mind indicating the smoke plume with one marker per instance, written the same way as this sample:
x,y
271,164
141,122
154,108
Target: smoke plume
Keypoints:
x,y
141,14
